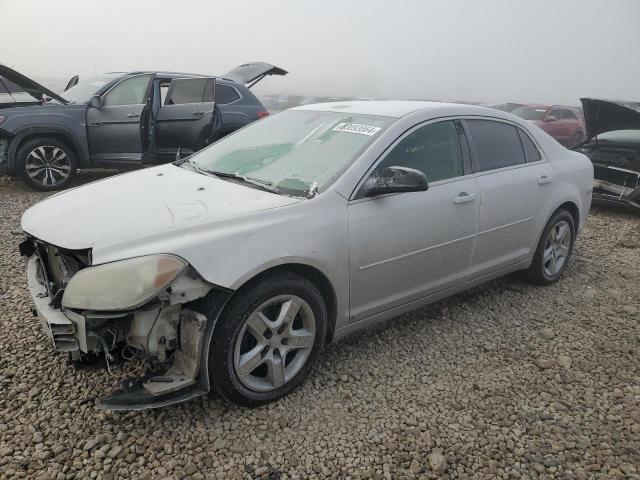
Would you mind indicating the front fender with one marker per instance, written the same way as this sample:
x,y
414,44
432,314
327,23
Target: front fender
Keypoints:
x,y
80,146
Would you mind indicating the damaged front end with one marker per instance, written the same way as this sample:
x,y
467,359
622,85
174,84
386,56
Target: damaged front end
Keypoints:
x,y
616,171
613,146
132,309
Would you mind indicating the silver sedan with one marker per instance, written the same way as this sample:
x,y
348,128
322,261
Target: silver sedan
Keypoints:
x,y
233,268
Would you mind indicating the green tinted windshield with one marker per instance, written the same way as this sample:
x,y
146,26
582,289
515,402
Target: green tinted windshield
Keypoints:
x,y
295,151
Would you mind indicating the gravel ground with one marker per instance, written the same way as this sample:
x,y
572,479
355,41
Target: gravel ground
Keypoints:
x,y
504,381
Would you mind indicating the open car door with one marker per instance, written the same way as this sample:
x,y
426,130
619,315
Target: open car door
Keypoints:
x,y
185,118
251,73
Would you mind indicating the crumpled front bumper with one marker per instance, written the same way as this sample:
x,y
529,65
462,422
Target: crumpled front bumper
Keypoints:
x,y
71,332
62,332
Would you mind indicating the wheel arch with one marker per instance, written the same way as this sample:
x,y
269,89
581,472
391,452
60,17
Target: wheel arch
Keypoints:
x,y
315,276
31,133
573,209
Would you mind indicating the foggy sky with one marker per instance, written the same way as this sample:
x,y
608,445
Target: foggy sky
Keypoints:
x,y
551,51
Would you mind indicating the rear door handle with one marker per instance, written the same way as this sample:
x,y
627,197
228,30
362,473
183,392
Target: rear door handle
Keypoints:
x,y
464,197
199,112
133,115
543,180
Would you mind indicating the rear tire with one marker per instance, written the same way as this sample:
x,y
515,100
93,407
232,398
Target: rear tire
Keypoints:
x,y
554,250
267,339
46,164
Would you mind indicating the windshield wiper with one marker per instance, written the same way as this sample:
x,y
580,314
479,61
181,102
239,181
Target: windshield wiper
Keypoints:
x,y
262,184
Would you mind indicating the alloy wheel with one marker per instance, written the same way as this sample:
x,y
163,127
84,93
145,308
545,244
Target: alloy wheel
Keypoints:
x,y
274,343
556,249
48,165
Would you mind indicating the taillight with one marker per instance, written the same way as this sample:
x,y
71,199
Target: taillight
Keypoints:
x,y
262,114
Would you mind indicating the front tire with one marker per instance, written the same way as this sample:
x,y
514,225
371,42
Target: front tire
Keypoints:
x,y
46,164
553,251
267,340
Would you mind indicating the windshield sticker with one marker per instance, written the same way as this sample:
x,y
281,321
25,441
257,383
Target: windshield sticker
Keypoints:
x,y
356,128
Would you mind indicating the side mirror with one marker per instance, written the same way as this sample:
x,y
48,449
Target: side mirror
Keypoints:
x,y
395,180
550,118
95,102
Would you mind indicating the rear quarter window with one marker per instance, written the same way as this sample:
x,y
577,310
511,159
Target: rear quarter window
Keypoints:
x,y
530,149
226,94
497,144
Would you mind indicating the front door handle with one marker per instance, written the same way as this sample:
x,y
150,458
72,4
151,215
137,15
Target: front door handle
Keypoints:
x,y
464,197
544,179
198,112
133,115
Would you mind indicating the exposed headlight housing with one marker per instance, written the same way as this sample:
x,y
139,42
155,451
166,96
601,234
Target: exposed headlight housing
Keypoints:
x,y
122,285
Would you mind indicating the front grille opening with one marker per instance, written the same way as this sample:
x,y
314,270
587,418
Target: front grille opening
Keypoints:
x,y
57,266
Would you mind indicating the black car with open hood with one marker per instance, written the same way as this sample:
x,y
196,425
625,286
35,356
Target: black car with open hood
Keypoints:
x,y
613,145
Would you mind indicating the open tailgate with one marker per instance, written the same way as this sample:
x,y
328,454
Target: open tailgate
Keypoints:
x,y
251,73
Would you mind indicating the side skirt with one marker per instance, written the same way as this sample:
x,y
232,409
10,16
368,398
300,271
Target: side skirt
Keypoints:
x,y
421,302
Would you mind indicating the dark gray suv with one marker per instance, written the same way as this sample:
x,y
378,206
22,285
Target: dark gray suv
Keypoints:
x,y
122,120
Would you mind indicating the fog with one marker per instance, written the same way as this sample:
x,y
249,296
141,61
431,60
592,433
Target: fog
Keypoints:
x,y
492,50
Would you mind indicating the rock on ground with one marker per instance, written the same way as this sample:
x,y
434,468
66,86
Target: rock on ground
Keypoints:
x,y
472,387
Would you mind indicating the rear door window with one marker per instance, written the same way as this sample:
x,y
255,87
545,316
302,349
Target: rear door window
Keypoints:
x,y
187,90
433,149
497,144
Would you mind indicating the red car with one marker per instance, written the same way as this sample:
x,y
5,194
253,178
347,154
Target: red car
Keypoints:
x,y
565,124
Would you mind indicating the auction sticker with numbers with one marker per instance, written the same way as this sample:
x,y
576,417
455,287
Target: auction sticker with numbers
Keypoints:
x,y
356,128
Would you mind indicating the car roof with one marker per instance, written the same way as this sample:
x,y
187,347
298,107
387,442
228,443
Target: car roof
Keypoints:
x,y
173,75
548,107
401,108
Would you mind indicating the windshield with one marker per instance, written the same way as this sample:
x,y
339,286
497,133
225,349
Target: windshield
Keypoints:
x,y
295,151
530,113
84,90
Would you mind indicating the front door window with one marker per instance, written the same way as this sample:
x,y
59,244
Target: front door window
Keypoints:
x,y
130,91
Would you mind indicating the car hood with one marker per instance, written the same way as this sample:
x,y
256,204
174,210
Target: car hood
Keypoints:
x,y
30,86
602,116
147,204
